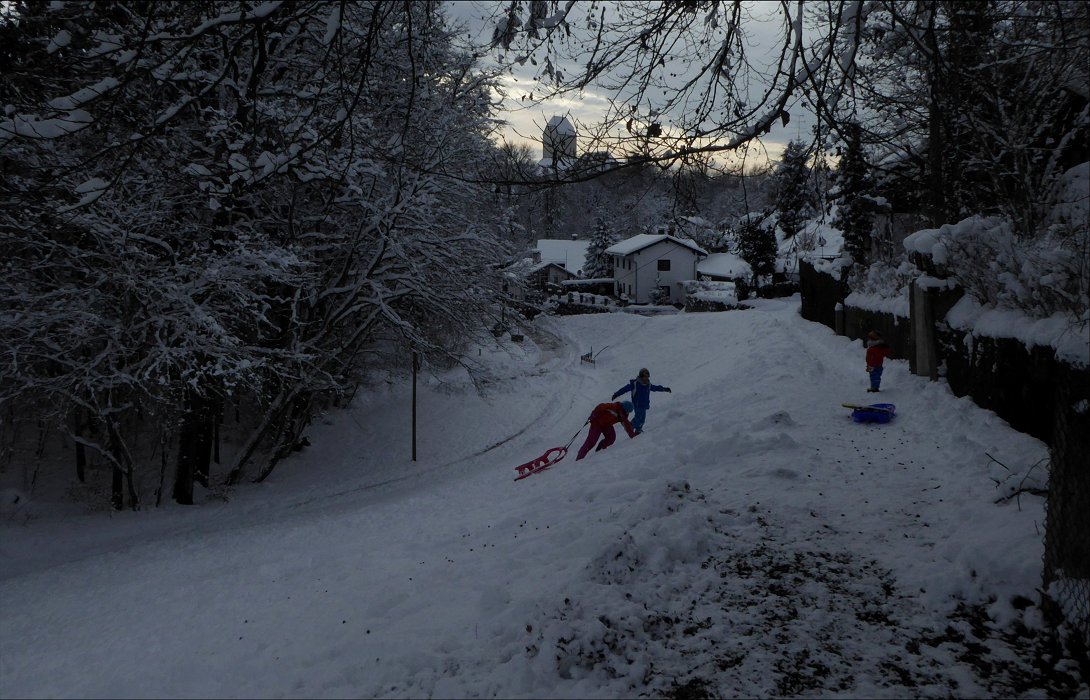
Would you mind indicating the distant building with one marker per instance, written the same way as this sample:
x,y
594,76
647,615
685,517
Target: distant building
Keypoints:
x,y
559,152
570,255
547,273
558,144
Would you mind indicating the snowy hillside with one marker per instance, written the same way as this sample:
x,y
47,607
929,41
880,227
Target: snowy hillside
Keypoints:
x,y
754,541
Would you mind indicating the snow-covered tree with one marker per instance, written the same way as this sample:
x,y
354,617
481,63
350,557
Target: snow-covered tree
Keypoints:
x,y
216,202
598,264
757,246
794,197
852,197
966,107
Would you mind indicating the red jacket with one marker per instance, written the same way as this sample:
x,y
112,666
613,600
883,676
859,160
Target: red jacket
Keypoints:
x,y
606,414
877,353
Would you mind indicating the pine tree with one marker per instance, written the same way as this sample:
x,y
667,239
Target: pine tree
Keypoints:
x,y
794,195
853,184
757,246
598,264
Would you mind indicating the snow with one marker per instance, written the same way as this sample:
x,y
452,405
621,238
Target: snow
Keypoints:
x,y
333,25
32,127
724,265
753,538
935,242
59,41
90,190
897,306
822,240
1013,284
560,125
1072,344
571,255
95,184
81,97
645,240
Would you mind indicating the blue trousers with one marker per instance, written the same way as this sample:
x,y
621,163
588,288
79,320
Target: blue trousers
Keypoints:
x,y
639,414
876,377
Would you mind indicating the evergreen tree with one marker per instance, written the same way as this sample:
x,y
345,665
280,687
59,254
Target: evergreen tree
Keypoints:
x,y
853,184
794,193
598,264
757,246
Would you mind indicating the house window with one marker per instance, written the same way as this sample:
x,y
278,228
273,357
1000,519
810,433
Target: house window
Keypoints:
x,y
664,265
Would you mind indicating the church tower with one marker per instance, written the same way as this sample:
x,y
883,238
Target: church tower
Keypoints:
x,y
558,143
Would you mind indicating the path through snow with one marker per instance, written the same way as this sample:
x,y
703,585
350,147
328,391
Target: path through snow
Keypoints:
x,y
753,542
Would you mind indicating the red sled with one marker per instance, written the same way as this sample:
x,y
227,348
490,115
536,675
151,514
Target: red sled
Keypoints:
x,y
551,457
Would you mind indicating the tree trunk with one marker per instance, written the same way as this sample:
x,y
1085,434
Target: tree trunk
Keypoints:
x,y
194,446
234,475
81,462
163,442
294,420
217,421
936,141
117,493
81,451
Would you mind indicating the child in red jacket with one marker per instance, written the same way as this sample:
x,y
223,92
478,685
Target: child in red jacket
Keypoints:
x,y
877,351
602,419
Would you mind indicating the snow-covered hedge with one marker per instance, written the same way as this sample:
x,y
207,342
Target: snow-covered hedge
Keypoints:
x,y
1041,277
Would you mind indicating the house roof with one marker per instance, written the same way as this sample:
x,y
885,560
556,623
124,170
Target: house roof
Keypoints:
x,y
724,265
645,240
572,255
548,263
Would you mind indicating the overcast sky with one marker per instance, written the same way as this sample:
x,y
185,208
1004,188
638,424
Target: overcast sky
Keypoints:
x,y
527,118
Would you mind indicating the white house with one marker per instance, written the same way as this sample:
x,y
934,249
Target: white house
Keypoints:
x,y
647,262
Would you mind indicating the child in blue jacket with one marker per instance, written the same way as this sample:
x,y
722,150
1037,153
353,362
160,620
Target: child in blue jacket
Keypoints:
x,y
640,388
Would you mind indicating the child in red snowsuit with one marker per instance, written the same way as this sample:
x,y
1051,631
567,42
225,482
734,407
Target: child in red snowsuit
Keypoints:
x,y
877,352
602,419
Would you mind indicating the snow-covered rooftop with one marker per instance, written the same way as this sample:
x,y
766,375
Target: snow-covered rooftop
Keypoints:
x,y
645,240
724,265
544,264
571,254
560,125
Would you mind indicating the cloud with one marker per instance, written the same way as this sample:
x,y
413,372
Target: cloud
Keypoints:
x,y
527,104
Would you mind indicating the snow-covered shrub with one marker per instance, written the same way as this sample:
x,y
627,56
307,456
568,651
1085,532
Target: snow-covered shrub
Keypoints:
x,y
710,296
882,279
658,297
1041,277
